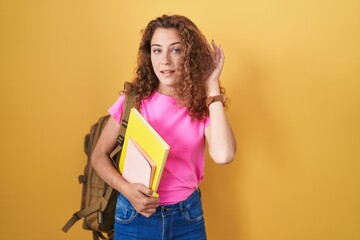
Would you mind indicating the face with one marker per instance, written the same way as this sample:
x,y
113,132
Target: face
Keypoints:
x,y
166,57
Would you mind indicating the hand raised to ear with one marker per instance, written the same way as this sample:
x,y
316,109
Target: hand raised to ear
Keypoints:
x,y
219,58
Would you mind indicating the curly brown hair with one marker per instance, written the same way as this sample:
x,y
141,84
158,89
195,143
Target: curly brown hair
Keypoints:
x,y
197,64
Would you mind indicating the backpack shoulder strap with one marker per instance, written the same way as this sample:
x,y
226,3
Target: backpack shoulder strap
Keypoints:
x,y
128,104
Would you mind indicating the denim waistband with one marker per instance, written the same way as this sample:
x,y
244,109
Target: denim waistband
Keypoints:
x,y
195,196
169,208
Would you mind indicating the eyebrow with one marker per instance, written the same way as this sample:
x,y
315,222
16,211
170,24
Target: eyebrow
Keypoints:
x,y
159,45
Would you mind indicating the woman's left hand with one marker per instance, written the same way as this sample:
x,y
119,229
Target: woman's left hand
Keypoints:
x,y
213,79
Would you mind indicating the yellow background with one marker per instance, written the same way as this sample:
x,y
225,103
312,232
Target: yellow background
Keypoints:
x,y
292,73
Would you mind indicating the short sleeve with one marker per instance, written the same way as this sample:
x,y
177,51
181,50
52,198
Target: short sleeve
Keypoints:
x,y
117,108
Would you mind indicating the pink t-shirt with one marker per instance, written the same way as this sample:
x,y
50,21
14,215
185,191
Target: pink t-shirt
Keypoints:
x,y
184,169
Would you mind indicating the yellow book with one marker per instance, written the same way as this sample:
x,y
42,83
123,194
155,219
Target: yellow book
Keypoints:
x,y
149,140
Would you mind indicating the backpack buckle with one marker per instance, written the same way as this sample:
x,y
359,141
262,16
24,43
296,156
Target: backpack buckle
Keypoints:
x,y
100,217
82,179
124,123
120,140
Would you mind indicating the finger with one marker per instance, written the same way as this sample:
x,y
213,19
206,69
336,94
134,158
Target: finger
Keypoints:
x,y
216,48
147,213
143,193
146,202
145,190
222,55
213,43
218,53
148,192
151,202
145,207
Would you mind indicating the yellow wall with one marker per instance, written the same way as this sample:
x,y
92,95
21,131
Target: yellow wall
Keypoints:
x,y
292,72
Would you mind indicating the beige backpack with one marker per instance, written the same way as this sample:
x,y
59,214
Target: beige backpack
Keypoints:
x,y
98,199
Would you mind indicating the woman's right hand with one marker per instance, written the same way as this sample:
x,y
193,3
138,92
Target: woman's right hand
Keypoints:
x,y
141,198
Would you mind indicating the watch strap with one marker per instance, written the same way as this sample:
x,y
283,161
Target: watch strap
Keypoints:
x,y
216,98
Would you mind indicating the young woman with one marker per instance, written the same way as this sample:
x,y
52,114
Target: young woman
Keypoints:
x,y
178,92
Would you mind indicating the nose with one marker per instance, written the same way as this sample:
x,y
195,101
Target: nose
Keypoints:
x,y
166,59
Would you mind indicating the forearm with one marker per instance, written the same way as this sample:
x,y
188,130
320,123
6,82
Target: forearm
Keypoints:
x,y
105,169
222,144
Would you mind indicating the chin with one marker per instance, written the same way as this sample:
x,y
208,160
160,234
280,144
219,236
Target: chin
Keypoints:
x,y
168,81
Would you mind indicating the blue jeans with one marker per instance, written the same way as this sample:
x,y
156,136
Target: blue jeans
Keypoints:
x,y
181,221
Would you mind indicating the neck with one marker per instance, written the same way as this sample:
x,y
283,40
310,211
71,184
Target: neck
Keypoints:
x,y
168,91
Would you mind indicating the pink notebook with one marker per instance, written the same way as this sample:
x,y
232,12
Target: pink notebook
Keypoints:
x,y
138,166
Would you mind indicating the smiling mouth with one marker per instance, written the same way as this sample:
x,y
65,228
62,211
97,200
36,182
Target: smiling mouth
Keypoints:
x,y
167,72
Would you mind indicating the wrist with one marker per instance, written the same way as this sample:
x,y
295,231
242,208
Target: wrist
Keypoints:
x,y
213,88
120,184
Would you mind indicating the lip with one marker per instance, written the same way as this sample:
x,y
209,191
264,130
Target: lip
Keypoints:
x,y
167,72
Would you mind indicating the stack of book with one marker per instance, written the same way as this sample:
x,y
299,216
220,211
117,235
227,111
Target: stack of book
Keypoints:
x,y
144,153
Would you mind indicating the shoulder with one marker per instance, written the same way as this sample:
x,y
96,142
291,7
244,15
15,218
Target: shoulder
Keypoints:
x,y
117,108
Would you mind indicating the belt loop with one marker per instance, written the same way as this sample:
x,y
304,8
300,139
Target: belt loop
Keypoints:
x,y
181,206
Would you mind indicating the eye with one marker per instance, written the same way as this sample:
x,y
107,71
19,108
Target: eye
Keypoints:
x,y
176,50
156,51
